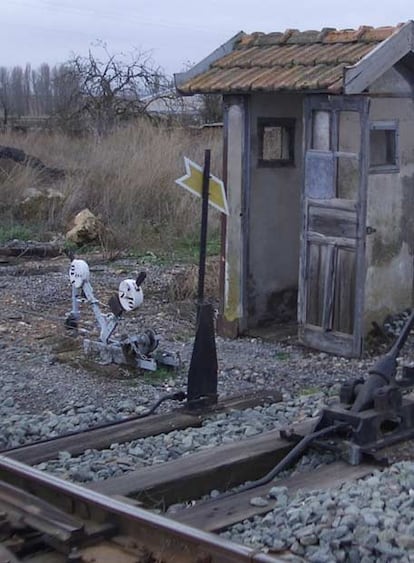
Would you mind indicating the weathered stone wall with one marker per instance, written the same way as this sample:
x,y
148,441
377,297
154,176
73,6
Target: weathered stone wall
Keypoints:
x,y
390,249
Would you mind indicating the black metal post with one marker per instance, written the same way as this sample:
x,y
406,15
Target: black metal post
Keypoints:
x,y
202,374
204,221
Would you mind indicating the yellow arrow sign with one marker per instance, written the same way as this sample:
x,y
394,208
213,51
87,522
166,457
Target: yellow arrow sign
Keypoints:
x,y
193,182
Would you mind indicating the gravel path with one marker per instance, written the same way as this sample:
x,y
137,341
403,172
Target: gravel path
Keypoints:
x,y
42,368
48,388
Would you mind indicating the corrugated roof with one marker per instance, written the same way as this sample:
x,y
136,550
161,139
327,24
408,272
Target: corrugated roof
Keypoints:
x,y
291,60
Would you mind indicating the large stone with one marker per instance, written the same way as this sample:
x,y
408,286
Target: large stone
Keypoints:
x,y
40,203
87,228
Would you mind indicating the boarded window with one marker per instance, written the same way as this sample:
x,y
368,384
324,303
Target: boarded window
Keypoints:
x,y
276,142
383,147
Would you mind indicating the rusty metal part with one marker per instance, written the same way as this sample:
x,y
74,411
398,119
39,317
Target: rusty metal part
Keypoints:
x,y
166,540
383,372
377,413
297,451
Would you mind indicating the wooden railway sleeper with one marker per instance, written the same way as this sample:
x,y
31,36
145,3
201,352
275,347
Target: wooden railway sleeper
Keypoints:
x,y
292,456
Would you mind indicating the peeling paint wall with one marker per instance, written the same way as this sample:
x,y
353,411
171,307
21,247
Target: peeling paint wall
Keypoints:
x,y
274,216
390,210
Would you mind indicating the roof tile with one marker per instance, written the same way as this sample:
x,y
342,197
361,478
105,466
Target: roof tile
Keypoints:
x,y
292,60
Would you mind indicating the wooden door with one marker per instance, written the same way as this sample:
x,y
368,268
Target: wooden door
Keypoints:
x,y
332,269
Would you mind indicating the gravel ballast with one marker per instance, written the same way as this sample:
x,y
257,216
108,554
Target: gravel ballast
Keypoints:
x,y
220,429
48,389
370,520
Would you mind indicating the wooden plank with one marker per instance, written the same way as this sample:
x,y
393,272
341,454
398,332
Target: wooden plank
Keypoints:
x,y
361,75
99,438
360,273
333,342
329,285
197,474
217,514
318,238
334,203
333,222
102,437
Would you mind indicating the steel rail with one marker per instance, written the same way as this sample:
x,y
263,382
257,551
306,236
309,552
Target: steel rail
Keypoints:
x,y
164,537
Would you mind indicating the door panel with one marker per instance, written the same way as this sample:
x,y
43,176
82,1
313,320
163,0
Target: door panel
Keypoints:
x,y
319,174
329,221
344,306
332,271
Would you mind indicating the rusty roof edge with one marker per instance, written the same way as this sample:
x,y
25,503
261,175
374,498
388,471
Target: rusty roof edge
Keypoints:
x,y
359,76
180,78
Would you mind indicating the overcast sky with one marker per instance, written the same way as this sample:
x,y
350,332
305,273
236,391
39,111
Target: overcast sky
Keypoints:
x,y
175,32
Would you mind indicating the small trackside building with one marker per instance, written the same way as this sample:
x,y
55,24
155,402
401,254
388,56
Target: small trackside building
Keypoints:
x,y
319,171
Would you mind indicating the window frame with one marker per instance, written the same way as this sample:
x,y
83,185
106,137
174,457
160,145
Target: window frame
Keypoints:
x,y
390,125
287,123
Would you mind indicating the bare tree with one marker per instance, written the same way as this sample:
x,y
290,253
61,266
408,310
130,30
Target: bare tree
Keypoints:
x,y
17,91
42,89
27,89
111,87
211,110
5,99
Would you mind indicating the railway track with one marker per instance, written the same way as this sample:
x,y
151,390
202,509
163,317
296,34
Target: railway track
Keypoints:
x,y
113,520
133,428
61,521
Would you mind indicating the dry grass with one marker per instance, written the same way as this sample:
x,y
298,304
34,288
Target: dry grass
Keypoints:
x,y
126,178
184,284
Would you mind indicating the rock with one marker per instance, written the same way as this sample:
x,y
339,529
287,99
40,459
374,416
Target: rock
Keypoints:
x,y
64,456
305,531
311,539
82,474
137,451
370,519
323,555
276,492
37,204
140,409
250,431
187,443
259,501
404,541
297,548
87,228
127,405
278,545
9,402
